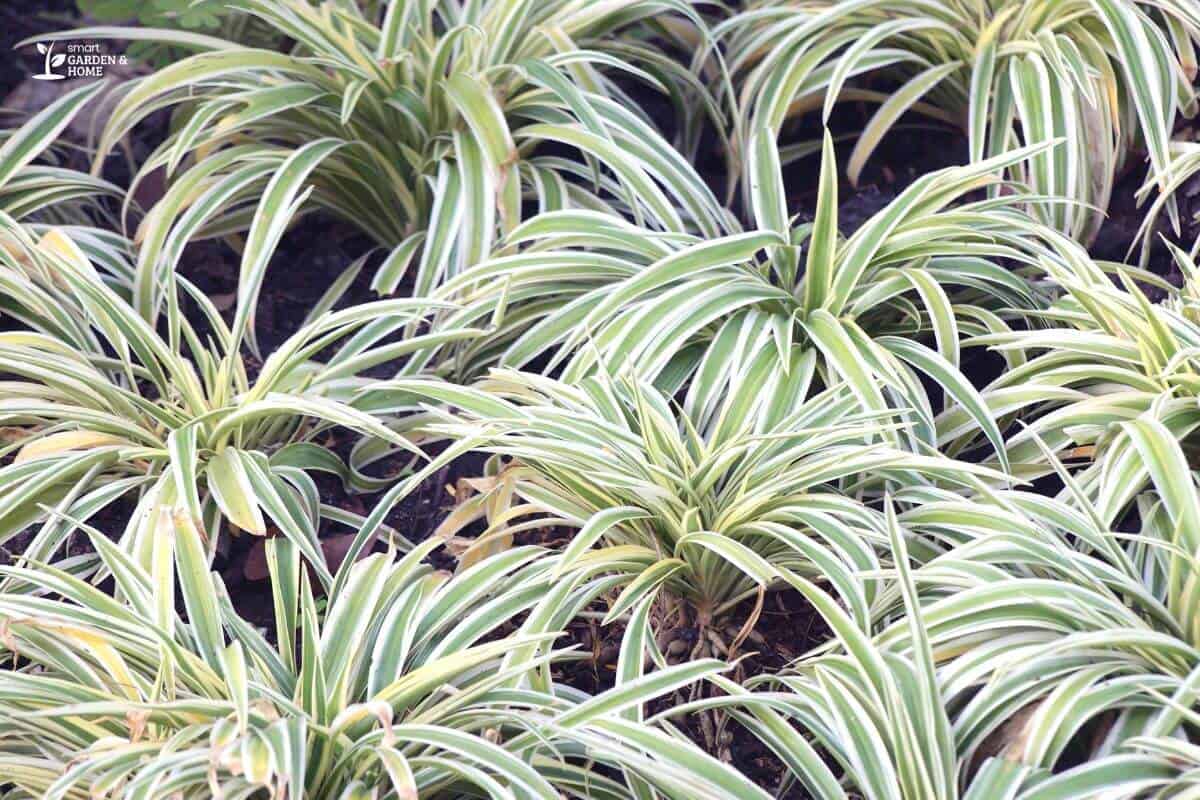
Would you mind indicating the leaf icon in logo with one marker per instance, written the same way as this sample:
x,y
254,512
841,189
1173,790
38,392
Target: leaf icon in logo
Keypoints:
x,y
51,61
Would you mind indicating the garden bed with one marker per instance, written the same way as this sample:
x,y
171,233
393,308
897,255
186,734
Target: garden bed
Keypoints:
x,y
761,636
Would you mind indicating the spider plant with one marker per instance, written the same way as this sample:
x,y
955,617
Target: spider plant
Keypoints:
x,y
1185,166
37,195
1106,76
1129,661
575,292
98,403
1038,638
445,123
877,715
404,683
1109,356
1091,642
697,503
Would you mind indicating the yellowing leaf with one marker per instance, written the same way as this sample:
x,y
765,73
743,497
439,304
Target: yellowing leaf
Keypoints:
x,y
62,442
59,245
232,490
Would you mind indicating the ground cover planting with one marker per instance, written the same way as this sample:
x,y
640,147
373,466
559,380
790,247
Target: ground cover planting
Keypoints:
x,y
630,399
